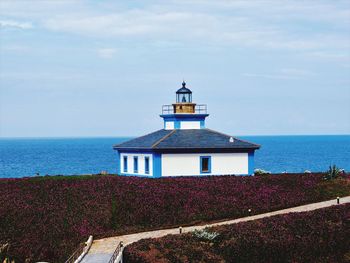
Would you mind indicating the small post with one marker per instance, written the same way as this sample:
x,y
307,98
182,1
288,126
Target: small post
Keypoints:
x,y
250,211
121,244
338,200
180,229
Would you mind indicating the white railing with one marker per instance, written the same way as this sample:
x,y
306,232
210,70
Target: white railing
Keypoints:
x,y
80,252
199,109
117,256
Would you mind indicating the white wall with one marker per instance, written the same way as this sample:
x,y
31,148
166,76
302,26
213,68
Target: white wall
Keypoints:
x,y
185,125
169,125
189,164
141,163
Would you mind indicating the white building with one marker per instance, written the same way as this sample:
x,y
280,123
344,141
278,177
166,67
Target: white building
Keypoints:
x,y
185,147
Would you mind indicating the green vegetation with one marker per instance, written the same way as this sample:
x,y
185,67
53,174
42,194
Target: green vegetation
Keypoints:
x,y
333,172
261,172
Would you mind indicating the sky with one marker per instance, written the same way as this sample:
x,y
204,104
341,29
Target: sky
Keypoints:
x,y
104,68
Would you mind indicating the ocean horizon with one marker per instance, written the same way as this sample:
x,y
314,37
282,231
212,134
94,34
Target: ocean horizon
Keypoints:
x,y
27,156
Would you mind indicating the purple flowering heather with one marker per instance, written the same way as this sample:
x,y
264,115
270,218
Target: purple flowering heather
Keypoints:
x,y
316,236
45,218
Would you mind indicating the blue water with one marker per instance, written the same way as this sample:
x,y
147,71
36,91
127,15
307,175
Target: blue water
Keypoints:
x,y
25,157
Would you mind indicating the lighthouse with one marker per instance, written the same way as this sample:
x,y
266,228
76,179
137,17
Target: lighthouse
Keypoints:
x,y
185,146
184,114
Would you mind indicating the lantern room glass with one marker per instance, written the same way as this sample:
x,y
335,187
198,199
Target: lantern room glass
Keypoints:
x,y
184,97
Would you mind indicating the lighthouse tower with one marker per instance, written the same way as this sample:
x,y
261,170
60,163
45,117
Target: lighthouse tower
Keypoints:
x,y
184,114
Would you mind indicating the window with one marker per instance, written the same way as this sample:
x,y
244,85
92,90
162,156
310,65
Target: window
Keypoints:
x,y
205,164
146,165
125,164
136,164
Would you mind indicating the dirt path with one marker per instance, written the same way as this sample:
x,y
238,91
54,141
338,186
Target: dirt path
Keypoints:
x,y
102,249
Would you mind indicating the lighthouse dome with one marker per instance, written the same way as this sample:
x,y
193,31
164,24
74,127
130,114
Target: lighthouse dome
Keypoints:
x,y
183,89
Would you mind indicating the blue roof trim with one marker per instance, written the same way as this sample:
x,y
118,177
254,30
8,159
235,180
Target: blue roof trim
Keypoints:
x,y
180,116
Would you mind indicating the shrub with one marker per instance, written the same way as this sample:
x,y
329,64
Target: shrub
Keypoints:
x,y
261,172
333,172
205,235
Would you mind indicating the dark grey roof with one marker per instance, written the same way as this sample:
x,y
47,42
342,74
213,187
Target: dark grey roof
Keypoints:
x,y
146,141
186,139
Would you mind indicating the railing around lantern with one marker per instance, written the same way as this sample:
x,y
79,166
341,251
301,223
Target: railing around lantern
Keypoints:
x,y
199,109
167,109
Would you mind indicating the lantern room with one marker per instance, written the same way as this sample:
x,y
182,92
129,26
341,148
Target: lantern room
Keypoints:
x,y
183,95
184,114
184,100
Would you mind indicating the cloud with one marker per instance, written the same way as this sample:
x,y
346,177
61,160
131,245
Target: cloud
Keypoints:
x,y
284,73
134,23
16,48
176,27
296,72
39,9
313,26
32,75
266,76
106,52
331,55
258,24
323,11
15,24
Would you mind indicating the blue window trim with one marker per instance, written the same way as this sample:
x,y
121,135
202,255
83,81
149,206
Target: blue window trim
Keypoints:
x,y
251,163
209,164
146,165
119,161
125,164
157,165
136,164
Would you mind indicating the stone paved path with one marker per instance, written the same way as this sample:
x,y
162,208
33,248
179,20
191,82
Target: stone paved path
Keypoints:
x,y
102,249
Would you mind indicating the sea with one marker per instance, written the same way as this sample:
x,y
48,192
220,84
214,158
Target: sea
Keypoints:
x,y
26,157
